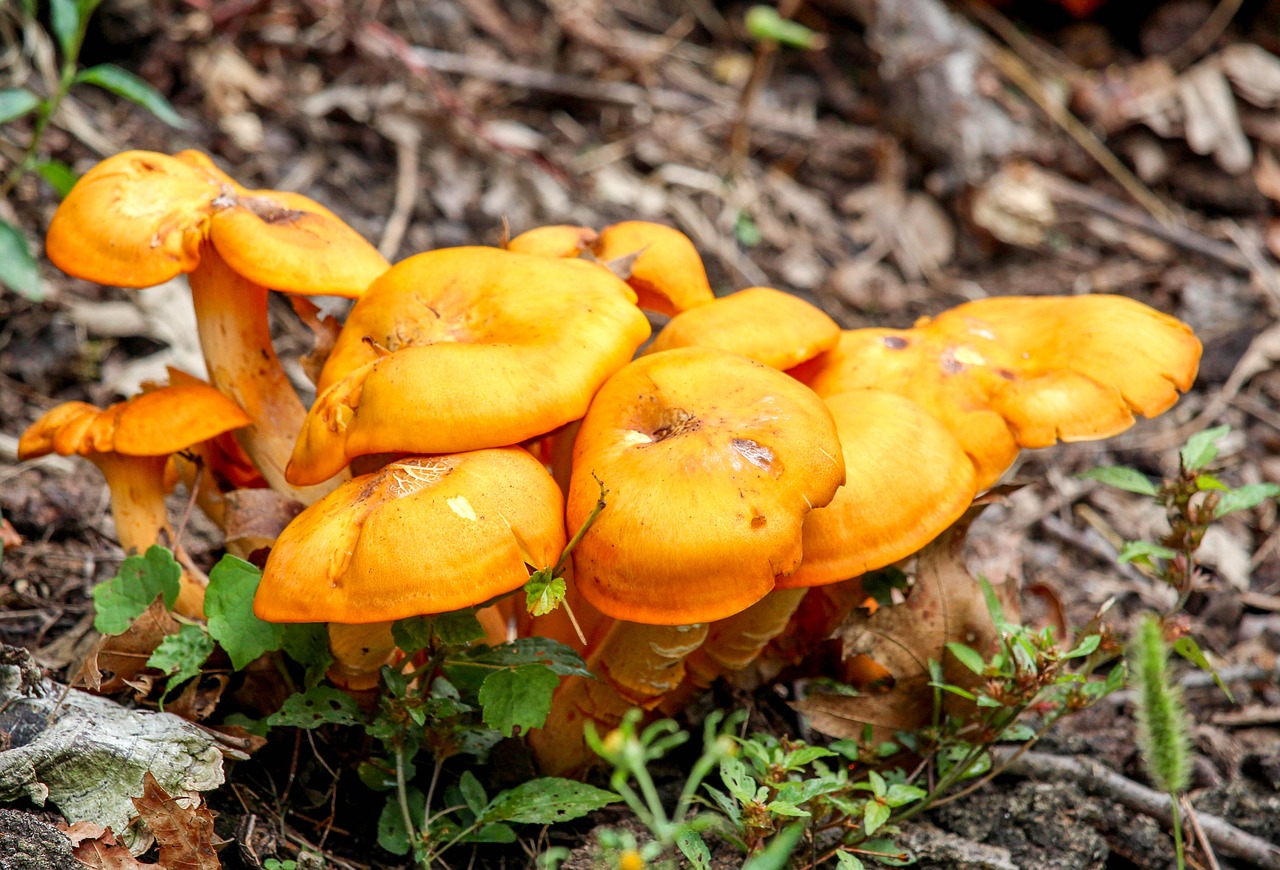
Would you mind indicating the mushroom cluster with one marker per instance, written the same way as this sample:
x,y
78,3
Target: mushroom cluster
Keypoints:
x,y
478,400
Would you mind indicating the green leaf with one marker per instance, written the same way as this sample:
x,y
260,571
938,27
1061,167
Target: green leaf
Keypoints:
x,y
518,698
392,834
846,861
125,84
18,269
746,231
473,793
800,757
322,705
494,832
900,794
1017,732
1244,497
968,656
16,102
544,592
307,643
692,846
874,815
994,606
228,604
412,633
64,18
764,22
181,655
955,690
124,597
887,852
1085,647
458,628
777,854
1187,647
551,654
1144,552
546,801
783,808
1121,477
57,174
1202,448
733,773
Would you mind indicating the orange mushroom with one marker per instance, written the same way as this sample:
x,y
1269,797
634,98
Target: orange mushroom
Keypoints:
x,y
422,535
1011,372
465,348
557,240
130,442
767,325
141,218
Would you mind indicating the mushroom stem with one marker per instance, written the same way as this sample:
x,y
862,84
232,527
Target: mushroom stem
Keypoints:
x,y
360,651
231,315
137,504
637,665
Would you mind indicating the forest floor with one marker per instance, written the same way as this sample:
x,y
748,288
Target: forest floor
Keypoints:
x,y
896,171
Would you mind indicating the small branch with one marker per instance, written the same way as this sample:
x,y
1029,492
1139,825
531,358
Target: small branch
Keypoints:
x,y
1097,779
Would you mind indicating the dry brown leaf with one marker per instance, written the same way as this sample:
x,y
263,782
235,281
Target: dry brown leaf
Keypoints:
x,y
104,853
254,518
9,536
1212,124
324,331
1015,205
945,605
83,830
124,656
200,697
185,836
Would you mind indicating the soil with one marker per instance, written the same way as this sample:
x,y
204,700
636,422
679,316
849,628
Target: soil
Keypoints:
x,y
852,182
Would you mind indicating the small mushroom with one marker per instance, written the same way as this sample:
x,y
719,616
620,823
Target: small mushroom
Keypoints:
x,y
465,348
1011,372
130,442
422,535
141,218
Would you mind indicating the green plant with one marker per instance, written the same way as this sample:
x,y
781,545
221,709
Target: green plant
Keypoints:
x,y
69,20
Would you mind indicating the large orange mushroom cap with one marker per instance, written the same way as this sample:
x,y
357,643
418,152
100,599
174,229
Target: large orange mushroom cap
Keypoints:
x,y
667,273
139,218
767,325
1010,372
422,535
908,480
711,462
464,348
556,240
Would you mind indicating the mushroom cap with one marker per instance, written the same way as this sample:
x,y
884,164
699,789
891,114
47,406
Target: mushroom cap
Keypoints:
x,y
421,535
486,348
556,240
1010,372
139,218
151,424
711,461
908,480
767,325
667,273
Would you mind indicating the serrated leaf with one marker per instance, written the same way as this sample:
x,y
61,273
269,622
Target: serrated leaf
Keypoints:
x,y
692,846
1244,497
392,834
181,655
128,86
1121,477
517,698
59,175
16,102
322,705
544,592
228,604
733,773
307,643
18,269
546,801
494,832
1202,448
412,633
141,578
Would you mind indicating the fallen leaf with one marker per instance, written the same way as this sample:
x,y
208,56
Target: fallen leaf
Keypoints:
x,y
254,518
199,698
1015,206
185,836
85,830
1210,117
124,656
101,851
9,536
944,605
324,331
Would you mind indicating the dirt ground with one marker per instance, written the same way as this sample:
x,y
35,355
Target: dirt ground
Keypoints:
x,y
924,155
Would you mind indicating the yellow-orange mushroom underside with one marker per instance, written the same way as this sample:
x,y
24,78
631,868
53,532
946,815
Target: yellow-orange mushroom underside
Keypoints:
x,y
711,462
465,348
907,480
1010,372
421,535
772,327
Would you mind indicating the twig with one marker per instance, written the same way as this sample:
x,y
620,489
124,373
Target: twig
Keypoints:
x,y
1193,818
1175,234
1097,779
1209,30
404,133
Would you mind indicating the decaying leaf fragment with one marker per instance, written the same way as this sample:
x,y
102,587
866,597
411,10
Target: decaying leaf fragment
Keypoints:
x,y
945,605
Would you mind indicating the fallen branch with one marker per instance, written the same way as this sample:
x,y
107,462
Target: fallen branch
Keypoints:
x,y
1097,779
